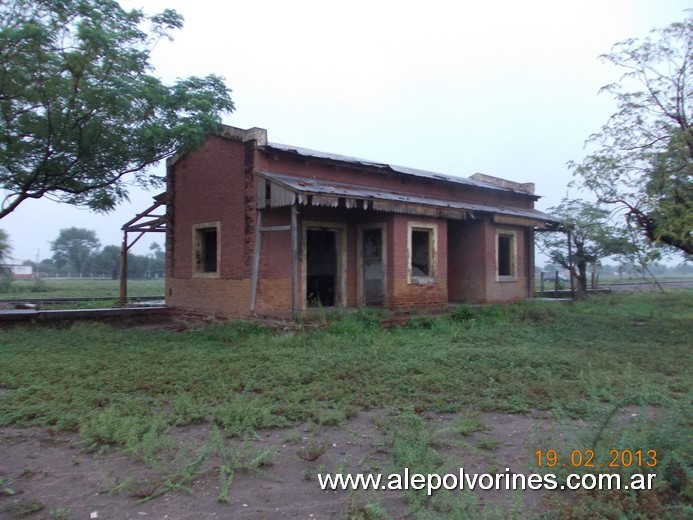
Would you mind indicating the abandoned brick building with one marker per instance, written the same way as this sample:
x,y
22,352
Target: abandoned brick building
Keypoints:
x,y
257,228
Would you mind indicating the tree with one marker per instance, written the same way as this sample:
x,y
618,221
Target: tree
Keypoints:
x,y
157,266
81,115
107,262
75,246
643,163
592,238
46,267
5,247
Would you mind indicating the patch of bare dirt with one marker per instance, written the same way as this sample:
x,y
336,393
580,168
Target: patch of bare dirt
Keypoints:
x,y
54,471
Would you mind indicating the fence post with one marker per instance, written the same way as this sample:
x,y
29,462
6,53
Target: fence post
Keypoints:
x,y
594,277
123,299
541,278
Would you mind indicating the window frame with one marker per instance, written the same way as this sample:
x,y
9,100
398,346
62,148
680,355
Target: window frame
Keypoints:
x,y
432,230
512,253
198,249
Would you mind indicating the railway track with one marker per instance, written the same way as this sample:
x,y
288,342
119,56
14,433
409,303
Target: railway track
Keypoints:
x,y
52,301
614,287
29,310
635,286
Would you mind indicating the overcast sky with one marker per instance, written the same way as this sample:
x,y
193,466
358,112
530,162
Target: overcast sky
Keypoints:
x,y
507,88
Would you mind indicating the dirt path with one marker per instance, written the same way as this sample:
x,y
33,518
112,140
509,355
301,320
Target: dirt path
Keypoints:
x,y
273,478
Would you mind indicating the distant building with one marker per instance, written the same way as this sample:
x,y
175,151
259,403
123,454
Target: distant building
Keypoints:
x,y
20,272
260,228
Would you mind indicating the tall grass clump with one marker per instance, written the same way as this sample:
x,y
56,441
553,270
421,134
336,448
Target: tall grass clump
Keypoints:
x,y
658,442
239,416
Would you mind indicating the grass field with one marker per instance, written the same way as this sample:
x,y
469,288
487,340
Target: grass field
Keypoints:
x,y
78,288
579,360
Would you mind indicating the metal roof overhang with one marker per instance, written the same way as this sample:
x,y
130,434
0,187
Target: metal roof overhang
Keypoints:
x,y
287,190
472,182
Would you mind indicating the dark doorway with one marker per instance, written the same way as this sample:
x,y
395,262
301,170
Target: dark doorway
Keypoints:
x,y
373,271
321,267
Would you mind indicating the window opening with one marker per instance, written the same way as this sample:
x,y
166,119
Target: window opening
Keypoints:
x,y
506,262
321,267
207,247
421,252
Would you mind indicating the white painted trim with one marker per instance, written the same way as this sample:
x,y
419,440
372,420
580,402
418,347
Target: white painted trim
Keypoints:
x,y
432,252
513,260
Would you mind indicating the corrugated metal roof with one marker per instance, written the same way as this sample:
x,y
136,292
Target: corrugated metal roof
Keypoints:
x,y
305,152
328,192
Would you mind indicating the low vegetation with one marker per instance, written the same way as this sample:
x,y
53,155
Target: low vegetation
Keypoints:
x,y
584,360
77,288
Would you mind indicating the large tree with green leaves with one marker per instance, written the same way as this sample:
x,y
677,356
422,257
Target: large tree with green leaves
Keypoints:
x,y
75,247
589,237
106,262
643,161
81,115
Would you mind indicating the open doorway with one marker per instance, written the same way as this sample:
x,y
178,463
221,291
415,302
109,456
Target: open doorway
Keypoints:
x,y
321,267
372,258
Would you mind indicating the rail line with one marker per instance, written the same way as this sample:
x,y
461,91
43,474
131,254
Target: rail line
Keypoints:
x,y
140,309
48,301
612,287
146,309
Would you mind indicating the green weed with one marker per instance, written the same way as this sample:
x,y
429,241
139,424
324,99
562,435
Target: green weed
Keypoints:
x,y
60,513
22,508
464,313
128,388
79,288
489,444
658,441
412,449
361,509
240,460
468,423
5,488
241,416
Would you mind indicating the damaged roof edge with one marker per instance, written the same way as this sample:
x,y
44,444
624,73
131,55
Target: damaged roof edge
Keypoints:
x,y
477,180
299,186
259,135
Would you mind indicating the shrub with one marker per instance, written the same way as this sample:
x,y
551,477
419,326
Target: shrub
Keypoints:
x,y
463,313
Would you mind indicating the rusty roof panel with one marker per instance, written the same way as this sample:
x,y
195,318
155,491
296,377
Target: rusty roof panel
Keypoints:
x,y
305,152
395,201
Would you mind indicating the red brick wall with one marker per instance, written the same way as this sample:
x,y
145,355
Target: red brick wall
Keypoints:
x,y
217,183
209,185
467,260
274,280
503,291
213,296
275,272
472,263
406,293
